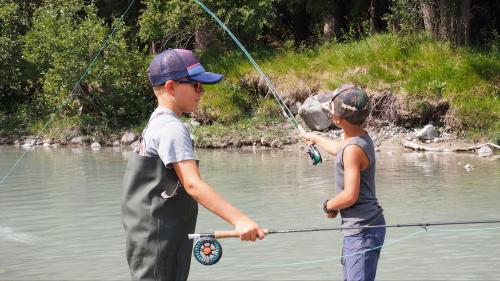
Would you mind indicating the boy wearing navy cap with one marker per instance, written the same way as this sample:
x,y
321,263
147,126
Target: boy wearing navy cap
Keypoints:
x,y
355,183
162,185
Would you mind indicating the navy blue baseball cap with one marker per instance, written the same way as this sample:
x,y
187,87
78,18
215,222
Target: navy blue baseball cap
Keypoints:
x,y
175,64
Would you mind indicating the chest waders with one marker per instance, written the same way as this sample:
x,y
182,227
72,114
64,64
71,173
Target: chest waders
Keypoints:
x,y
156,228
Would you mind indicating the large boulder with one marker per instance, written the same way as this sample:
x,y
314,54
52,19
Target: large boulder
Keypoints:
x,y
428,132
312,113
485,151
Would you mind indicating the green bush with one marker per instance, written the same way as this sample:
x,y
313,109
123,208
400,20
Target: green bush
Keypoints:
x,y
63,41
405,17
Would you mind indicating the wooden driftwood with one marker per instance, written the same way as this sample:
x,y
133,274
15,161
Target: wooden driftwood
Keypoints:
x,y
416,146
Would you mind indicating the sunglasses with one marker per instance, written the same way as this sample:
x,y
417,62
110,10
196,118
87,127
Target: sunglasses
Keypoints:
x,y
197,85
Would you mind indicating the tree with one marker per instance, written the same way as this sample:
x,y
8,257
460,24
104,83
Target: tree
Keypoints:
x,y
13,21
448,19
65,37
180,23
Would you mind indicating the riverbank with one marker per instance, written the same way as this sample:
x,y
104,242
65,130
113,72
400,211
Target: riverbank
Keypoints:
x,y
252,134
412,81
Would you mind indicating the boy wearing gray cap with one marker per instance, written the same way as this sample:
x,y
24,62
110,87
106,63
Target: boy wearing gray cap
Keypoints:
x,y
162,185
355,183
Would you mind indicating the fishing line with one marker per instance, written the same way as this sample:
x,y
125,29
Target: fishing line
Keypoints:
x,y
313,151
65,101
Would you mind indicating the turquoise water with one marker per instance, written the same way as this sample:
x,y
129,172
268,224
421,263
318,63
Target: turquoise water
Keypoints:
x,y
60,215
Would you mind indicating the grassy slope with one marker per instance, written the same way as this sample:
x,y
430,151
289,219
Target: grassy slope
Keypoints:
x,y
416,67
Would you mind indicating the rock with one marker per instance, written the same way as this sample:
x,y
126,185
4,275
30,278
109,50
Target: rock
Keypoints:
x,y
129,137
277,143
116,143
294,109
134,144
194,123
263,140
95,145
29,142
47,142
446,136
427,141
312,113
76,140
485,151
428,132
335,134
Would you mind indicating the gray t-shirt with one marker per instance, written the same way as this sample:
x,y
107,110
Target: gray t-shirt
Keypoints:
x,y
167,137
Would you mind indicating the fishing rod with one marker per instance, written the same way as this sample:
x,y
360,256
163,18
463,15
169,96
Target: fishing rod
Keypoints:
x,y
312,151
208,251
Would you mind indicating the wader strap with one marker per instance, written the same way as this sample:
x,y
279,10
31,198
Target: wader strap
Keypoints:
x,y
142,151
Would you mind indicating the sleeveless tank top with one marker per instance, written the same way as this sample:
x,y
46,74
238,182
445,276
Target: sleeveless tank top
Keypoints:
x,y
366,211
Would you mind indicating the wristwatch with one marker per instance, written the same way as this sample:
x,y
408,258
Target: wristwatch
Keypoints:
x,y
326,209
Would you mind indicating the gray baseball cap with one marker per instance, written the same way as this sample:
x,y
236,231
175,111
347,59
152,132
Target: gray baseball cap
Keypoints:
x,y
349,102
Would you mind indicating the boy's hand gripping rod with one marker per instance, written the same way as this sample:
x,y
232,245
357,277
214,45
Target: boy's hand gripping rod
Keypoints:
x,y
208,250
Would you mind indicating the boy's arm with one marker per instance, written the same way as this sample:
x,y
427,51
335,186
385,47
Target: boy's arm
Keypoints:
x,y
329,145
353,159
188,173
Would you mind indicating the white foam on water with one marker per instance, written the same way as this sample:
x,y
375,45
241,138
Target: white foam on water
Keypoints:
x,y
8,233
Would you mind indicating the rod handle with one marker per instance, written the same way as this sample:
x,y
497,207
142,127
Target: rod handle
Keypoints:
x,y
232,234
226,234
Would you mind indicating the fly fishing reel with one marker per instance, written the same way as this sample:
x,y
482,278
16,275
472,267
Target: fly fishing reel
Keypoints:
x,y
207,251
314,154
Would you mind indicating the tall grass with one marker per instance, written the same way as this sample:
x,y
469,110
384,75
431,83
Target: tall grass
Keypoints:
x,y
414,66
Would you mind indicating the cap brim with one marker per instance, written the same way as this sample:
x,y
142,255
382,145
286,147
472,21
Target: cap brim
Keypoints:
x,y
207,77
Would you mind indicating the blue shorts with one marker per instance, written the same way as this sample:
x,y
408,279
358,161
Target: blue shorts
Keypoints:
x,y
360,262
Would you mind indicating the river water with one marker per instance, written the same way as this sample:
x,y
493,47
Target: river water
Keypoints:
x,y
60,215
